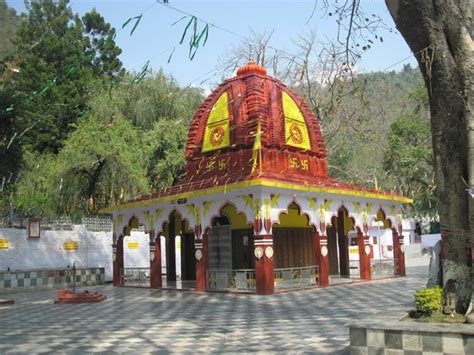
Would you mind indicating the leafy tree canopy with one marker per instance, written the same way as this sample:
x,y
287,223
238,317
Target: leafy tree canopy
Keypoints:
x,y
61,56
9,22
409,155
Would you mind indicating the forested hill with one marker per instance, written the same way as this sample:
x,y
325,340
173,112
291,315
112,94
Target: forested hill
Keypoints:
x,y
357,122
378,133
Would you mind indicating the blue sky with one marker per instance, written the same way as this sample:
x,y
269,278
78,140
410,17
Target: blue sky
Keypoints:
x,y
155,36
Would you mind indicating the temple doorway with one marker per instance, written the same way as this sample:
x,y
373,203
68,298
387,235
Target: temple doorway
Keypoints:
x,y
230,246
135,245
294,258
338,243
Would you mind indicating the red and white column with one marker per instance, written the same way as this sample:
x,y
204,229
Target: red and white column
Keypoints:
x,y
398,254
322,258
155,261
202,261
263,254
117,260
364,257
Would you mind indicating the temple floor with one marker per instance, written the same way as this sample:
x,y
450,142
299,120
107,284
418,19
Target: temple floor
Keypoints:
x,y
142,320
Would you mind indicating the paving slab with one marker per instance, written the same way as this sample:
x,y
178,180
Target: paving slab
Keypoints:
x,y
140,320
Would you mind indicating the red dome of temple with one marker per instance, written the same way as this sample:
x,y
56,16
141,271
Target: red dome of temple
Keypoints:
x,y
222,135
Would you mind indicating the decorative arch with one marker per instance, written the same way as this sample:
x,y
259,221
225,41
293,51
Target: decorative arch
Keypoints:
x,y
293,238
349,220
338,243
231,211
382,217
133,223
293,217
238,219
178,226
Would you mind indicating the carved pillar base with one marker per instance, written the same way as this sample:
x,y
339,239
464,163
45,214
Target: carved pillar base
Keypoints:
x,y
263,254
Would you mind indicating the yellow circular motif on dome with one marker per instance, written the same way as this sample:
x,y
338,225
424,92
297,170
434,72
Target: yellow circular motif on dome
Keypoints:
x,y
217,136
296,134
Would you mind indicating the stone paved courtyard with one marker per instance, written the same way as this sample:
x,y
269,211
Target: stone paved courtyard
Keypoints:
x,y
143,321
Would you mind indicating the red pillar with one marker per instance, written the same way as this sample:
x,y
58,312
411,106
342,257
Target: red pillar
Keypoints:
x,y
117,263
155,261
364,257
202,262
322,258
263,254
398,254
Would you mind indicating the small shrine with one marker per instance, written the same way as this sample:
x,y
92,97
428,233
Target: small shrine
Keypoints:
x,y
256,210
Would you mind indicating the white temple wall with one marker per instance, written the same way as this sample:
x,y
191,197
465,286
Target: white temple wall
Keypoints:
x,y
48,251
136,250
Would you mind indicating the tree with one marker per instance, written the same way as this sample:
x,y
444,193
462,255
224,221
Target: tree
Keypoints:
x,y
163,110
37,191
9,22
61,57
101,46
408,159
440,35
10,152
102,162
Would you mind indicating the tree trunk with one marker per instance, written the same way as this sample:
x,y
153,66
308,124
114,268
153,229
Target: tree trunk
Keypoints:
x,y
439,34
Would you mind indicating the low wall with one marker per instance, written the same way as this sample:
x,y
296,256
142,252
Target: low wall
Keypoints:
x,y
24,280
399,337
94,250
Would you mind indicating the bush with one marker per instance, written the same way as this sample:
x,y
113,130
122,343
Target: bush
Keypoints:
x,y
429,300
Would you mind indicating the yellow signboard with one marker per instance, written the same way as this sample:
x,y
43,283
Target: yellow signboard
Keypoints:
x,y
132,245
4,244
354,250
71,245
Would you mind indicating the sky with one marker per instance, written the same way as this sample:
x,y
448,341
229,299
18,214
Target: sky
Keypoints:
x,y
156,36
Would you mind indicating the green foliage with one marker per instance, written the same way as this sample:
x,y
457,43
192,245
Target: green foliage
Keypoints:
x,y
129,143
429,300
155,97
61,57
9,22
377,130
100,46
163,110
37,191
10,150
356,116
409,155
102,163
167,142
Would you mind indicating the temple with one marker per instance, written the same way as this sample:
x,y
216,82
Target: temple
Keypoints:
x,y
256,210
